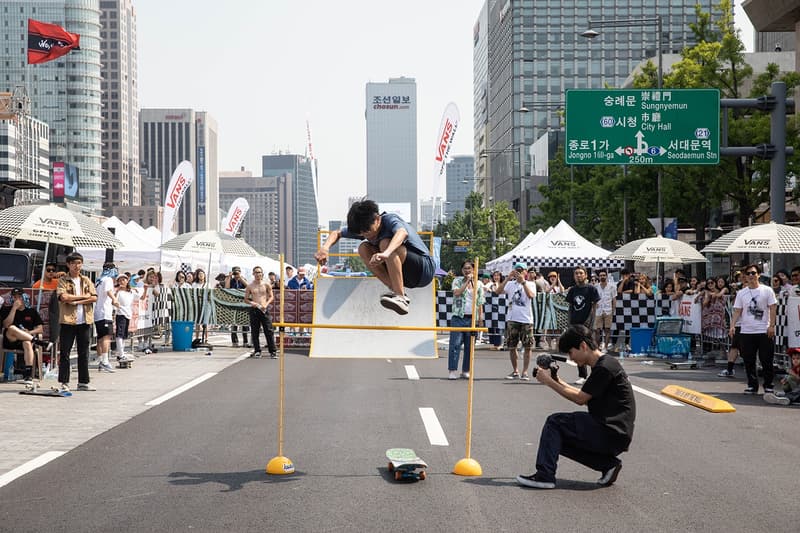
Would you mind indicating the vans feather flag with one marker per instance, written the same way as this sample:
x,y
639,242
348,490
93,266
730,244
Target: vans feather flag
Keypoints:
x,y
47,42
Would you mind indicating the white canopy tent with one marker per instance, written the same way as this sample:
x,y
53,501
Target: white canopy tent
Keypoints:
x,y
563,247
506,261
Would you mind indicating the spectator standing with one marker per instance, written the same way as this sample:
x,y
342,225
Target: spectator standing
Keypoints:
x,y
23,329
495,336
604,312
300,281
554,281
51,277
274,282
76,297
180,281
461,317
643,285
541,288
755,304
104,315
150,292
289,275
258,295
125,301
582,299
235,280
519,320
204,312
627,284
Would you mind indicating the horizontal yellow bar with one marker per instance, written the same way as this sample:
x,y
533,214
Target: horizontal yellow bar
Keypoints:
x,y
698,399
379,328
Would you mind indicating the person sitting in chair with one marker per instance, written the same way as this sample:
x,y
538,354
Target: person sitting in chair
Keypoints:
x,y
23,330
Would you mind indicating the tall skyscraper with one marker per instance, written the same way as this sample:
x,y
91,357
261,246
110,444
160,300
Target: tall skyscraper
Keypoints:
x,y
64,93
535,53
298,218
391,114
460,182
260,228
169,136
120,173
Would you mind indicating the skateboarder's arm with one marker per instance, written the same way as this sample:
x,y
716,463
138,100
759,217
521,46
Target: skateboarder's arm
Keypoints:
x,y
398,239
322,254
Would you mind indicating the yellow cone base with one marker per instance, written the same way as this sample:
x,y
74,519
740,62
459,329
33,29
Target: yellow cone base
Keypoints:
x,y
698,399
467,467
280,466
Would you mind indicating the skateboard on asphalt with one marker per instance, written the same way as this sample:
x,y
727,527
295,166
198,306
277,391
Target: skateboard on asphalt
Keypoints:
x,y
681,364
125,364
35,390
405,464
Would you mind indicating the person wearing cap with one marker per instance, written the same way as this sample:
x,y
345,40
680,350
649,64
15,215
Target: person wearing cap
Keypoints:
x,y
235,280
392,251
582,299
519,319
104,314
125,299
23,329
76,298
50,280
300,281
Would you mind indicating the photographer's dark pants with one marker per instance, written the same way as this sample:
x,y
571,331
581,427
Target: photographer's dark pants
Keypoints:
x,y
749,344
71,334
260,319
579,437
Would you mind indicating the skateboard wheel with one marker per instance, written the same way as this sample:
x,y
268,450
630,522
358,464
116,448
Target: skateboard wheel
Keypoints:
x,y
398,475
391,467
422,475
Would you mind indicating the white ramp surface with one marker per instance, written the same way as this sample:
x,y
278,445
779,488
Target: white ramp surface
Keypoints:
x,y
356,301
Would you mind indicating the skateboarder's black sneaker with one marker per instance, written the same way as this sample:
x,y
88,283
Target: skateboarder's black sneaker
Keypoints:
x,y
273,355
534,483
609,476
256,355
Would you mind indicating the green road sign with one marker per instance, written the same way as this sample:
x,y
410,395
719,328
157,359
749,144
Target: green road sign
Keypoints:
x,y
642,127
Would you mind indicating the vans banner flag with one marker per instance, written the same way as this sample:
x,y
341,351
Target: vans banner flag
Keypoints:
x,y
444,141
233,220
47,42
182,178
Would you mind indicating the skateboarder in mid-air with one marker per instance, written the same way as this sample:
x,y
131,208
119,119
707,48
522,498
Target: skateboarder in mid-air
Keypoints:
x,y
392,251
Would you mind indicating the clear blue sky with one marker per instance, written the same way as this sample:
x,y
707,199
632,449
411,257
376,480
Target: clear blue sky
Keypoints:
x,y
263,68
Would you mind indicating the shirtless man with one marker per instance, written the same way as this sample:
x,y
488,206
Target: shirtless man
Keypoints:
x,y
258,295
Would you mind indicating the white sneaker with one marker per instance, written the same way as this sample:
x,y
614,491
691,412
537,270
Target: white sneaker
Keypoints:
x,y
726,374
396,302
776,400
453,374
104,367
465,375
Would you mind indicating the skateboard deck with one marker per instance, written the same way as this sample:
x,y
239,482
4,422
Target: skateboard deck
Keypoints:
x,y
124,364
681,364
51,391
405,464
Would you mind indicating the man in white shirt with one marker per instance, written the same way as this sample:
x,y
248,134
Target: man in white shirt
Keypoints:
x,y
519,320
104,315
604,312
755,304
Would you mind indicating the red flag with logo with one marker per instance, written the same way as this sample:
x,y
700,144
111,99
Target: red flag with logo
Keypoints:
x,y
47,42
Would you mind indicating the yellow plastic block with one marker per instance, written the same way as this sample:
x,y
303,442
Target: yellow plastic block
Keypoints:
x,y
280,466
467,467
698,399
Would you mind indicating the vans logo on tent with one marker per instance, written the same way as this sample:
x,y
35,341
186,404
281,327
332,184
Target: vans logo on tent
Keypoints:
x,y
563,244
757,242
204,244
54,222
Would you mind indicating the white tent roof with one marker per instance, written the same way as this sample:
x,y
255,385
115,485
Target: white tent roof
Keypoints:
x,y
505,261
565,247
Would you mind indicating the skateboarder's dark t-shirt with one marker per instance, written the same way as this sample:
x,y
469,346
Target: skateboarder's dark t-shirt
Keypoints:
x,y
612,402
390,224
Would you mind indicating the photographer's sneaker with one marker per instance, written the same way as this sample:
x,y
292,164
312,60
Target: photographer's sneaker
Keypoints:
x,y
751,390
396,302
610,476
776,400
531,481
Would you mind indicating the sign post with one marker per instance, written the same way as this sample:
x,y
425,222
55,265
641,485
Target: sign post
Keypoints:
x,y
642,127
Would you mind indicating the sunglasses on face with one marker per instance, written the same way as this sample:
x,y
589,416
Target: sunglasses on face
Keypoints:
x,y
50,270
751,273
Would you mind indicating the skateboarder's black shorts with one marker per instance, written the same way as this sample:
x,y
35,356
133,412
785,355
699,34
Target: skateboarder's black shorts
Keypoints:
x,y
104,328
418,270
8,344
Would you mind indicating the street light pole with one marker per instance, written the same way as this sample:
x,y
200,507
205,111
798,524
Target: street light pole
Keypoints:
x,y
656,21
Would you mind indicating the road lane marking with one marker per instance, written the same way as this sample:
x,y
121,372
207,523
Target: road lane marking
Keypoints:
x,y
411,372
658,397
245,355
30,466
433,427
182,388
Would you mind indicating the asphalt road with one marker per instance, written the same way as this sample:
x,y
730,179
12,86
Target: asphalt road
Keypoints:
x,y
196,462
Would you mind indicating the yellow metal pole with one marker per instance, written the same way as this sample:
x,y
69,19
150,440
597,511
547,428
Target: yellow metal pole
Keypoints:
x,y
468,466
280,464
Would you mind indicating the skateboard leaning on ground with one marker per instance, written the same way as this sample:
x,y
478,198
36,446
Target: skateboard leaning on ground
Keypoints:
x,y
676,365
405,464
36,390
125,364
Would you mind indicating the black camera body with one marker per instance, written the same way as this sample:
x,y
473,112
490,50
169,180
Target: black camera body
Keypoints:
x,y
547,361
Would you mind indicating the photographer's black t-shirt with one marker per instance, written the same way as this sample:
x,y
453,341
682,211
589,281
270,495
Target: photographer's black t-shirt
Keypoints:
x,y
612,402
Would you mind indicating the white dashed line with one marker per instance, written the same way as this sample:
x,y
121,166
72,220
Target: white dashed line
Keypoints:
x,y
411,372
433,427
182,388
658,397
30,466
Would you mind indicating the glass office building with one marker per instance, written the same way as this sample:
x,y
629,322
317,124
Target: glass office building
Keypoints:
x,y
535,53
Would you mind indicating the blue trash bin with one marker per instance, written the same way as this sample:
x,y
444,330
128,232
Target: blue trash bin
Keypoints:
x,y
182,332
641,338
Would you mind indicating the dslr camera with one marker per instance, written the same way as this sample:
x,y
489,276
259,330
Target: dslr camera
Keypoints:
x,y
547,361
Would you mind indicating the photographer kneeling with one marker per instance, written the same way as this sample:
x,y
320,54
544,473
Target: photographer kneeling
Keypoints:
x,y
593,439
